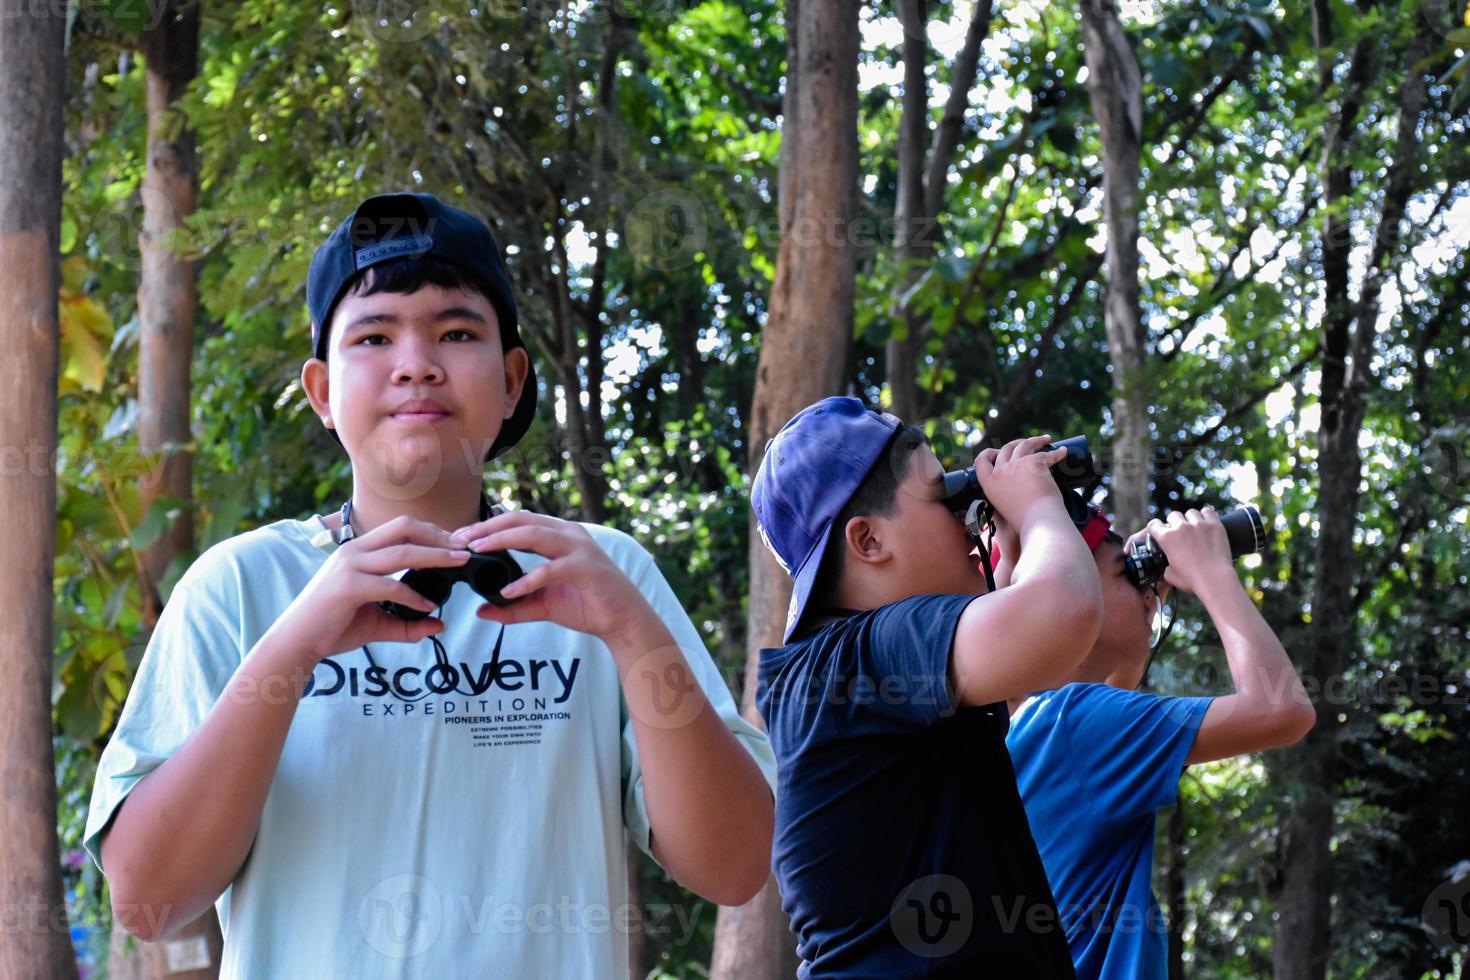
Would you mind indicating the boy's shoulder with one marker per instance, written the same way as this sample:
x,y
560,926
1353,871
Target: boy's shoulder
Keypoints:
x,y
259,550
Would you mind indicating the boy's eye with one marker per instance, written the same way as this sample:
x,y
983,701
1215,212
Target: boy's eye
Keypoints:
x,y
378,340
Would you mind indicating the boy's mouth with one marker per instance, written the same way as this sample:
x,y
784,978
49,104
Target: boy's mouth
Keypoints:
x,y
420,410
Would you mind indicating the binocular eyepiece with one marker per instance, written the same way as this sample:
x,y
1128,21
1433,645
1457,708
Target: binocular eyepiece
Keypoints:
x,y
1145,561
487,574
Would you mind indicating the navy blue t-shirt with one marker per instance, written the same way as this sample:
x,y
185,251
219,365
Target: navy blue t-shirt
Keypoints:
x,y
902,848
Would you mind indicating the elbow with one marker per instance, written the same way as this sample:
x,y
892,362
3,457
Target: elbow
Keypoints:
x,y
1298,719
741,884
1285,724
147,921
749,874
745,868
147,913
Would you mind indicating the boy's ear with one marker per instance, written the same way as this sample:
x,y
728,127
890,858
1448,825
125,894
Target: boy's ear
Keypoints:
x,y
863,538
517,366
314,382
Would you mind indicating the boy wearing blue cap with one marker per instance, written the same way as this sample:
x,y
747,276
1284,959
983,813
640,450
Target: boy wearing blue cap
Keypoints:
x,y
1092,736
902,849
358,804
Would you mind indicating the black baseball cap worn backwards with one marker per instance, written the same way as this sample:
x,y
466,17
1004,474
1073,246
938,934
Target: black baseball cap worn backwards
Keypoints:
x,y
411,225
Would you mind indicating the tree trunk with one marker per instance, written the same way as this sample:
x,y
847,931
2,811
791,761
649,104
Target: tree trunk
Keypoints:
x,y
807,337
910,221
36,939
921,185
168,300
1117,101
167,295
1349,330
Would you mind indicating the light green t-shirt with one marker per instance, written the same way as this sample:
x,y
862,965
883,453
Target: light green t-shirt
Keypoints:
x,y
459,820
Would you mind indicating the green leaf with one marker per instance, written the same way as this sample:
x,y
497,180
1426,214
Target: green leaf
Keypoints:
x,y
130,15
160,516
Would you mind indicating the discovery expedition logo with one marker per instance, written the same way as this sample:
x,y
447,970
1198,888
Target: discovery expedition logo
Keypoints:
x,y
541,679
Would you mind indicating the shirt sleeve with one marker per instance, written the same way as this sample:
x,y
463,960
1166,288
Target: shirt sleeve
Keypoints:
x,y
190,658
656,589
1130,747
902,659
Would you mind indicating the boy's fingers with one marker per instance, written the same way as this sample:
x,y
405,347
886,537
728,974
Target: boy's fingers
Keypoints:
x,y
384,561
534,580
1054,456
539,539
404,530
501,522
1036,444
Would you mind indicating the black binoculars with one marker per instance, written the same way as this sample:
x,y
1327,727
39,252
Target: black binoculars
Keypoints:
x,y
1145,561
487,574
961,488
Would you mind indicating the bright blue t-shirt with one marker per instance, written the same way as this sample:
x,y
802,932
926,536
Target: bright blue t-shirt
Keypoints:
x,y
1093,764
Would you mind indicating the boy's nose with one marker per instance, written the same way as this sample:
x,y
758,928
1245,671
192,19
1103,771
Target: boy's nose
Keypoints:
x,y
417,364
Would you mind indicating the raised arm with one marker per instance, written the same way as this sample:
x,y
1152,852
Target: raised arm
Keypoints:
x,y
1270,706
1030,634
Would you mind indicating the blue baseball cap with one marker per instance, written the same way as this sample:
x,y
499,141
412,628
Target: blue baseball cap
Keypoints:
x,y
394,226
811,469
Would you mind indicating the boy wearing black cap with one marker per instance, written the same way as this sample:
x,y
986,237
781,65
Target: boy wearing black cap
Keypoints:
x,y
902,848
357,804
1093,737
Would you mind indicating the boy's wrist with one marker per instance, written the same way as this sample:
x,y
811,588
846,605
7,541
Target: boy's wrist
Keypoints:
x,y
274,655
643,630
1216,584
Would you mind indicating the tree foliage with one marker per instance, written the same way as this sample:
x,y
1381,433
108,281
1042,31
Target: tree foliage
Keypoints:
x,y
627,155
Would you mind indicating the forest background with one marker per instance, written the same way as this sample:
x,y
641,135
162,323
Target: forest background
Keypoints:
x,y
1225,240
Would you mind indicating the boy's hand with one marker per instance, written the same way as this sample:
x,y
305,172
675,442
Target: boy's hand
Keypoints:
x,y
579,588
1017,479
1197,548
338,610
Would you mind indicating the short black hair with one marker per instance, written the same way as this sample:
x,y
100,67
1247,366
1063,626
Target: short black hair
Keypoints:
x,y
409,274
877,494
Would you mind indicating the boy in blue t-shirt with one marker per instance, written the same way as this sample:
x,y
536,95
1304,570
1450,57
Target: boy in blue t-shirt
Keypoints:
x,y
1095,758
445,788
901,844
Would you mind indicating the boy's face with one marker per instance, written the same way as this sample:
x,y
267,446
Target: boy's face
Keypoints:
x,y
931,551
415,383
1128,611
